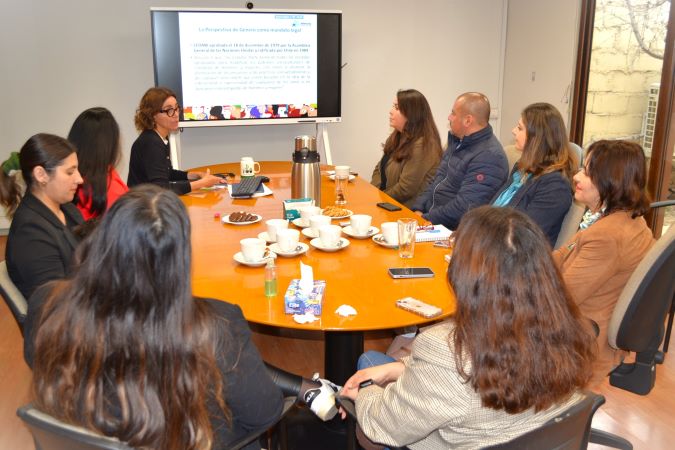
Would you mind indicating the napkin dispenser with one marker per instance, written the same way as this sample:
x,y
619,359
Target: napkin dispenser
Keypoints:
x,y
305,172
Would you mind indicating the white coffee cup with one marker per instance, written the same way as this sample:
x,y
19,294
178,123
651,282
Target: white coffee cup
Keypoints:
x,y
287,239
316,222
309,211
342,171
330,235
252,249
249,167
360,224
390,232
274,225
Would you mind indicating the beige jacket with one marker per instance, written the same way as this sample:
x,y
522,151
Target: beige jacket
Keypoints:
x,y
407,179
431,407
596,264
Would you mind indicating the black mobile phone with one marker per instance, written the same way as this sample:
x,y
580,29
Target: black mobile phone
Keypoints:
x,y
389,206
411,272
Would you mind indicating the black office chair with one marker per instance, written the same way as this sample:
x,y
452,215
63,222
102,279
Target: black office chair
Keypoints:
x,y
12,296
570,430
669,327
50,433
637,322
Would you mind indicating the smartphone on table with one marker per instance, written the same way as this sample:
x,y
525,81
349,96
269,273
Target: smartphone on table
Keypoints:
x,y
410,272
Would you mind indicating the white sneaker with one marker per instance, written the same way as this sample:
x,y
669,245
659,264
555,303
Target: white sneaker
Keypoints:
x,y
321,400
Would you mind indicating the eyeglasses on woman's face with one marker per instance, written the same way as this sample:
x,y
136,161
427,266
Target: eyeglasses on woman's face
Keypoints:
x,y
171,111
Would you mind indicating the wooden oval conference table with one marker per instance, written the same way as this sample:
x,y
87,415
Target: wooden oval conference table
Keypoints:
x,y
356,275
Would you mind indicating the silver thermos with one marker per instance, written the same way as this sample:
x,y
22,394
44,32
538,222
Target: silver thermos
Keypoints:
x,y
306,173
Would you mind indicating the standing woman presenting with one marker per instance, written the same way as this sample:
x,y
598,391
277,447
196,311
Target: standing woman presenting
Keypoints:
x,y
412,151
150,162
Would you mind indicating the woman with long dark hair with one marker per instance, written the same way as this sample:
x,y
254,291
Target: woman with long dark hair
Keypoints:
x,y
158,115
412,150
513,355
614,237
540,184
41,241
123,348
96,136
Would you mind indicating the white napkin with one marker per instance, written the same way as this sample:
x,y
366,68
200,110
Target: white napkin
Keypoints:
x,y
346,311
305,318
306,279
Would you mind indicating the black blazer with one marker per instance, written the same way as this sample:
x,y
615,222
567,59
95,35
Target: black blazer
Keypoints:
x,y
546,199
150,163
39,247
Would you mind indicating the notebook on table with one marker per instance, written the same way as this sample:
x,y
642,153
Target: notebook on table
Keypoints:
x,y
432,233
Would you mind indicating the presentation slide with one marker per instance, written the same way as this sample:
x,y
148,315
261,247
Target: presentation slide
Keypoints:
x,y
247,66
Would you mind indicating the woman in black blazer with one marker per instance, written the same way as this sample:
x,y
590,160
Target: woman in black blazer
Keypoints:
x,y
41,243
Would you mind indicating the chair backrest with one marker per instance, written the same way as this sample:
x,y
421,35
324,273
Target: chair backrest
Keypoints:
x,y
570,223
579,152
635,324
13,297
567,431
52,434
512,155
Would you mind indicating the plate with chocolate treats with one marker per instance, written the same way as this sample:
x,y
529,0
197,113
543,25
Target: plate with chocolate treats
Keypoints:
x,y
241,218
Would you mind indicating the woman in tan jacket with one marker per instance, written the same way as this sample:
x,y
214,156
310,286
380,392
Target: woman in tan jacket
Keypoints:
x,y
412,151
613,238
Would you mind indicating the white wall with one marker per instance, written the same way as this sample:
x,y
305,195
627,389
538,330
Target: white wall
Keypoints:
x,y
60,57
541,38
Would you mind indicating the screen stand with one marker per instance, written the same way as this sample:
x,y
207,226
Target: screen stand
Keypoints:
x,y
322,137
174,145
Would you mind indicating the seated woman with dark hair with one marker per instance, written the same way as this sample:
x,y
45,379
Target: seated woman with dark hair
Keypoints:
x,y
124,349
412,150
41,242
512,357
96,136
540,184
597,261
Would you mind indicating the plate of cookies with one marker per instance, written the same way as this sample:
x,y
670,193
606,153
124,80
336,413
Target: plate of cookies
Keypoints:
x,y
241,218
336,212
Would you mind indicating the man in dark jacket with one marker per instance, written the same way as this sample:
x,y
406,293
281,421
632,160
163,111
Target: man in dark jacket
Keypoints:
x,y
473,167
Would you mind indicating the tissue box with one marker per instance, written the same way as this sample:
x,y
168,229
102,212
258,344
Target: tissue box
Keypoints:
x,y
291,207
297,302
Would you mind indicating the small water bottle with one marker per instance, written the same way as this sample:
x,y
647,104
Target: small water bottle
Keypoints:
x,y
270,279
341,180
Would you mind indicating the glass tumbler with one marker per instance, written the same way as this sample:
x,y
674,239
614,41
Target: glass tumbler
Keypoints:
x,y
406,237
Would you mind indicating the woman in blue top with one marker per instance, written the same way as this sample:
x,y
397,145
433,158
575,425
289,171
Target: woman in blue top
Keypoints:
x,y
540,184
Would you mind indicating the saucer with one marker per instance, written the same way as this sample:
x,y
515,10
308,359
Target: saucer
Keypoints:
x,y
379,240
371,232
351,177
316,243
299,250
348,212
226,219
239,257
308,232
265,237
300,222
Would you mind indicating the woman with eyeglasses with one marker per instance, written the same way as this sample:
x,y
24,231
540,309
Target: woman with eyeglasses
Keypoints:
x,y
613,237
157,116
